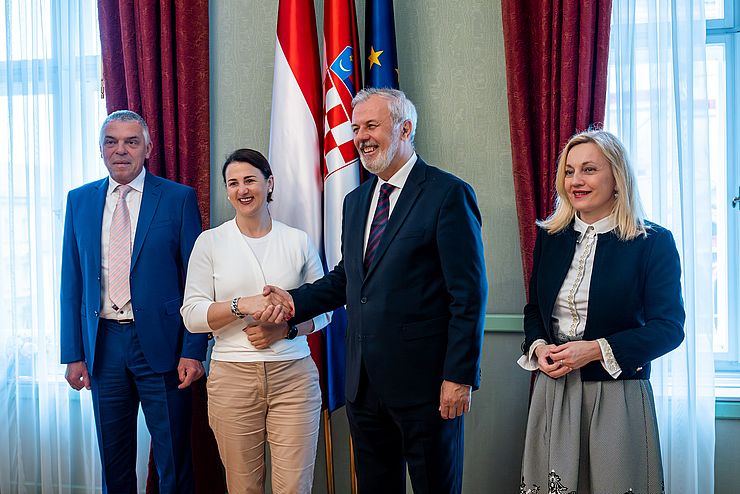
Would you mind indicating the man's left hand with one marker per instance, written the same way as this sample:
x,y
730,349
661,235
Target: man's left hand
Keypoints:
x,y
189,370
454,399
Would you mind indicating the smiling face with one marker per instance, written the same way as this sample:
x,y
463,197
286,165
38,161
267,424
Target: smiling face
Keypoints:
x,y
589,182
383,146
247,188
124,150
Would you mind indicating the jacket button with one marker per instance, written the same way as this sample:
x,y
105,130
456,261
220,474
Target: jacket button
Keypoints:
x,y
363,300
95,313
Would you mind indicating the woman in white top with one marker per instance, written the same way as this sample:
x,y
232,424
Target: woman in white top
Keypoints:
x,y
604,300
263,385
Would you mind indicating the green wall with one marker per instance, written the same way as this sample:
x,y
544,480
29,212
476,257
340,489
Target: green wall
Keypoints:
x,y
453,70
451,64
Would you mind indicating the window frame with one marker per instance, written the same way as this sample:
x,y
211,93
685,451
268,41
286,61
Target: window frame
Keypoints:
x,y
13,84
726,32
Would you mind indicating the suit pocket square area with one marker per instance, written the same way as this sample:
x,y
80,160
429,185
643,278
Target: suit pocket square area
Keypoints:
x,y
416,233
425,329
160,224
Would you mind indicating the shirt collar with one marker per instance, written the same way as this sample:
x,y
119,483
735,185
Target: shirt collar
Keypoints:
x,y
398,180
604,225
137,184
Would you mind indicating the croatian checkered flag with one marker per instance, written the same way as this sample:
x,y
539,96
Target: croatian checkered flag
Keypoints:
x,y
342,78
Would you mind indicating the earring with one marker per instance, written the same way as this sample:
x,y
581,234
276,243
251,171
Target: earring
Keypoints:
x,y
616,193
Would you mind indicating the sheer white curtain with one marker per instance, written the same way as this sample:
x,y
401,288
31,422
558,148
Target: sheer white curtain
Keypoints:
x,y
657,104
50,112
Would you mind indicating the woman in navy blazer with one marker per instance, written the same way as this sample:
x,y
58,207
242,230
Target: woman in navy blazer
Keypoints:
x,y
604,300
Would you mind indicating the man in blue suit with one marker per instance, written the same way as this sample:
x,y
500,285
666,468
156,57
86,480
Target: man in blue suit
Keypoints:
x,y
413,278
127,241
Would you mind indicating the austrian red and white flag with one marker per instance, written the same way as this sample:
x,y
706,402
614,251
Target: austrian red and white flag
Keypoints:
x,y
295,146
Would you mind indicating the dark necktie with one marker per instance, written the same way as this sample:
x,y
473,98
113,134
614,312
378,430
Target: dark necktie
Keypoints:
x,y
380,221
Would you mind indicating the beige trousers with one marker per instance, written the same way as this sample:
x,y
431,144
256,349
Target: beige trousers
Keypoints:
x,y
250,402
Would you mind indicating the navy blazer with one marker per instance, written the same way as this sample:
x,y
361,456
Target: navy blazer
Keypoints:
x,y
634,299
168,224
416,317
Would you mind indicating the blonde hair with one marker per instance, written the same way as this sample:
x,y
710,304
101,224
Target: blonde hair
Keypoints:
x,y
627,209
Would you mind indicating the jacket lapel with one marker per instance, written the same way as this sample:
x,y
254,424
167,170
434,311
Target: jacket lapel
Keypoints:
x,y
149,201
407,199
100,193
356,222
559,261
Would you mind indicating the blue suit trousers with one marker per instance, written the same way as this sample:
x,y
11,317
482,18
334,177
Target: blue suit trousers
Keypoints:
x,y
121,380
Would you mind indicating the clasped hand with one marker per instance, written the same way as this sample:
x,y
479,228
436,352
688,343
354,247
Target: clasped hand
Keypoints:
x,y
558,360
270,312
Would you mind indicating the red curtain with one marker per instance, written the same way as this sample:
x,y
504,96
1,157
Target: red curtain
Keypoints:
x,y
556,60
155,62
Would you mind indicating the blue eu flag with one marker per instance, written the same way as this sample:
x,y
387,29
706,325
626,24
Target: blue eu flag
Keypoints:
x,y
381,59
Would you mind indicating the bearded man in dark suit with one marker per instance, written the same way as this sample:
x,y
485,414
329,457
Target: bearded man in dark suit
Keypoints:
x,y
413,278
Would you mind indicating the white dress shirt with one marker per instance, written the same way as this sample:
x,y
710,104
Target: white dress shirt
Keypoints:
x,y
133,201
398,180
571,305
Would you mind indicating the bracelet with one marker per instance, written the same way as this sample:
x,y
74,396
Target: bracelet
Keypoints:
x,y
235,308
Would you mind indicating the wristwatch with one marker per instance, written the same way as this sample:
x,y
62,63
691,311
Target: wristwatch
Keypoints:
x,y
292,333
235,308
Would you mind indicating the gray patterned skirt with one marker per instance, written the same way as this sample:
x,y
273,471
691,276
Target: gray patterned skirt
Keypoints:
x,y
592,437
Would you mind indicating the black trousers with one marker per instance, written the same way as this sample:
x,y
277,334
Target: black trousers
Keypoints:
x,y
387,439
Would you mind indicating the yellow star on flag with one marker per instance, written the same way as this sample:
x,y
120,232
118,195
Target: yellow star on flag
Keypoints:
x,y
374,57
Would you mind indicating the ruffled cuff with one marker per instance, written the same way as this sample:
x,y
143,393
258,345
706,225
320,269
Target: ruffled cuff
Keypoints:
x,y
529,361
608,361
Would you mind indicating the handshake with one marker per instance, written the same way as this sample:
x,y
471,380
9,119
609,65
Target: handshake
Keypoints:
x,y
273,301
270,312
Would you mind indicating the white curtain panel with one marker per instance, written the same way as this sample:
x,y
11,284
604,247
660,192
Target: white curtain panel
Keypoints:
x,y
657,105
50,113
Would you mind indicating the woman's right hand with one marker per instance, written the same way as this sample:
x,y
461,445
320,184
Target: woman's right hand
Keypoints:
x,y
554,369
272,314
252,305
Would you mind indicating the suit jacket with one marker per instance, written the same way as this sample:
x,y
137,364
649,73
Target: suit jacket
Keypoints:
x,y
168,224
634,299
416,317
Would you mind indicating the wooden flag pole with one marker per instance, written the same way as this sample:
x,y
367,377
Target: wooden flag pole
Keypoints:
x,y
352,473
328,449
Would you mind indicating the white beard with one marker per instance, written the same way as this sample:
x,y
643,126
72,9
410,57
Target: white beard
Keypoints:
x,y
383,160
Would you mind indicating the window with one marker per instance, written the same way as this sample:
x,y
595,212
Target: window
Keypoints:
x,y
50,113
723,77
50,110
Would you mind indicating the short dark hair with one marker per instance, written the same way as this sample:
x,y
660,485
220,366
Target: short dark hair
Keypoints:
x,y
254,158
